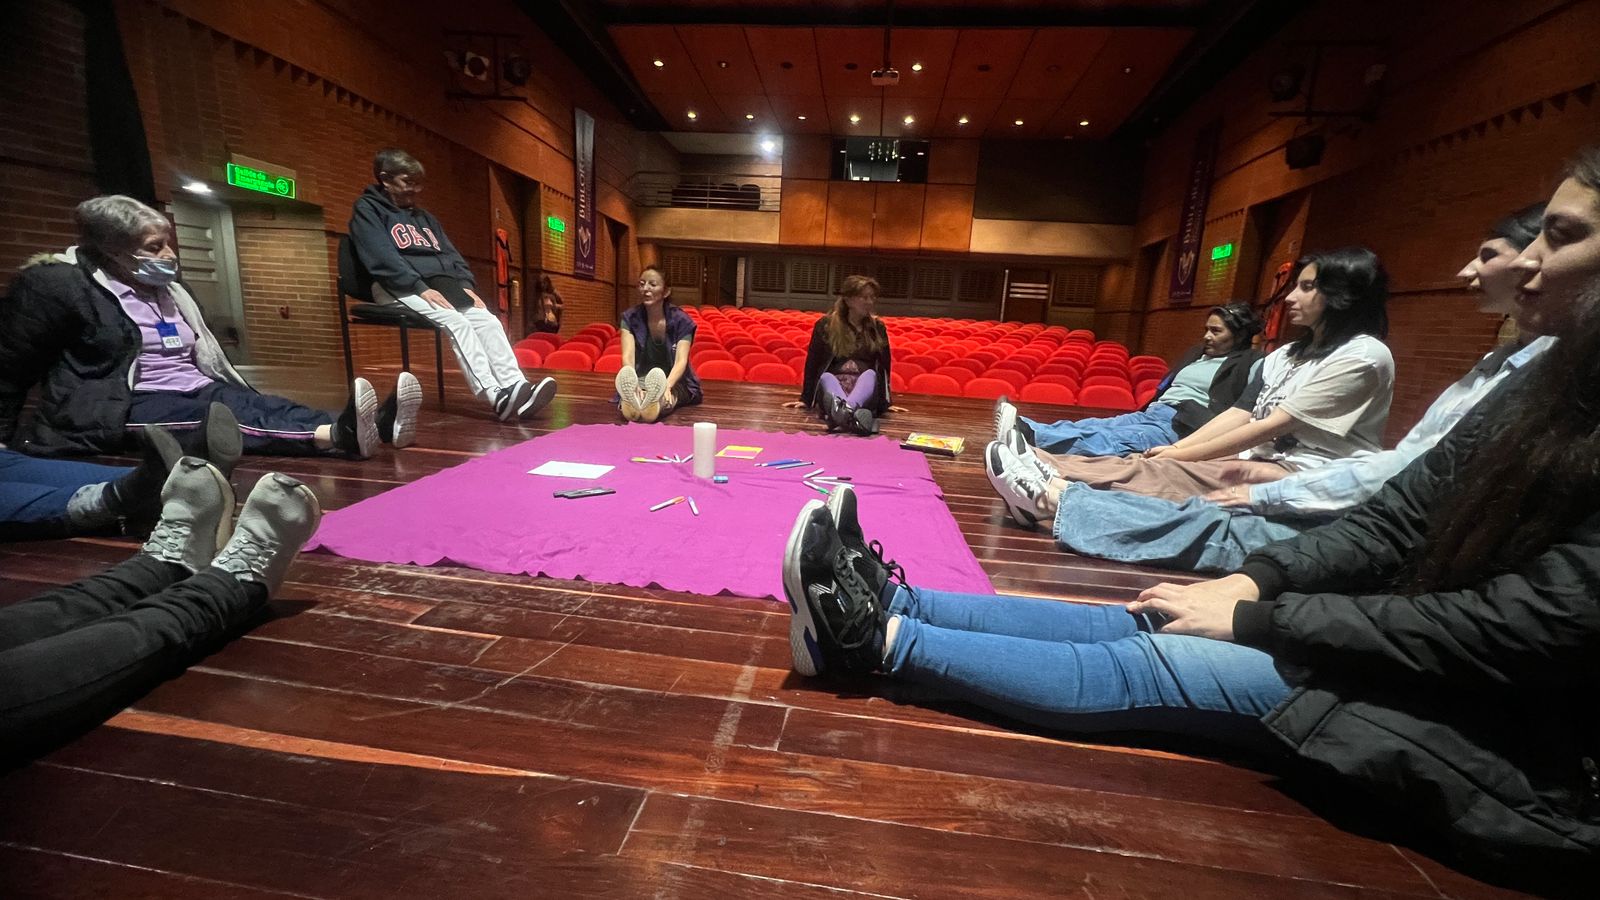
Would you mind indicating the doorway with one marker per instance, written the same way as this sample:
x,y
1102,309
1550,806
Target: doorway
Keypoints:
x,y
210,262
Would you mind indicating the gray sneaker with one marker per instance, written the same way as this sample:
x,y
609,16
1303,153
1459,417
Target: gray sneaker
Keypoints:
x,y
279,516
196,514
628,389
655,387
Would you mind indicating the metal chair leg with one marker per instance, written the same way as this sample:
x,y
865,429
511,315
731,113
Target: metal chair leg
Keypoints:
x,y
438,362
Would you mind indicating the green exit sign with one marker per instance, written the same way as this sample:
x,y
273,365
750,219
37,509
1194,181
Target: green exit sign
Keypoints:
x,y
262,181
559,226
1222,251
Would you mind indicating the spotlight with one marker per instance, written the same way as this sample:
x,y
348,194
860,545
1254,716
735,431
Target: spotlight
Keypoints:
x,y
769,146
692,114
963,120
749,116
855,119
1017,122
916,67
1083,123
474,65
909,120
197,187
658,63
516,70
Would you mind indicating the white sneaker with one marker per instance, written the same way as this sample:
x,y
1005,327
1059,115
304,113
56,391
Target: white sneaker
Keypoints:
x,y
196,514
538,398
279,516
1016,482
1017,444
511,399
397,419
655,387
1005,418
628,390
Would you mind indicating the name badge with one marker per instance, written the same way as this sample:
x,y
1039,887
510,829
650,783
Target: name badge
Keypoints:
x,y
169,335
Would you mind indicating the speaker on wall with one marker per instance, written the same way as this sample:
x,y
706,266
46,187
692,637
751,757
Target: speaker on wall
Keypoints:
x,y
1304,151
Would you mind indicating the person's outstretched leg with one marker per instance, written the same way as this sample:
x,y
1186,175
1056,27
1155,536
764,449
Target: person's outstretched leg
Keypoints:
x,y
1193,535
501,361
47,498
1025,617
56,684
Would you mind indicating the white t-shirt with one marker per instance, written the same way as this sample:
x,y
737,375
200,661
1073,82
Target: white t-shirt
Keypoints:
x,y
1340,403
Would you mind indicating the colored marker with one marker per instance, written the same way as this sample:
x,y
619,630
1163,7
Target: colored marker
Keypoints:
x,y
692,508
779,462
643,459
821,491
832,478
794,465
666,503
811,473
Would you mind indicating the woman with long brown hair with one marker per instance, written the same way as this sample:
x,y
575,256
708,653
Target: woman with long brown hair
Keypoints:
x,y
847,363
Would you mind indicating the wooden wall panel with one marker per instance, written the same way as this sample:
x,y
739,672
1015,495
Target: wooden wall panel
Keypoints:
x,y
897,222
947,217
850,206
803,217
953,162
806,156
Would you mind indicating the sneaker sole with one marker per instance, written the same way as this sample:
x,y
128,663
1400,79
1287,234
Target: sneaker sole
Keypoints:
x,y
542,394
803,650
516,402
654,389
229,501
224,440
366,418
991,462
837,499
408,401
1005,418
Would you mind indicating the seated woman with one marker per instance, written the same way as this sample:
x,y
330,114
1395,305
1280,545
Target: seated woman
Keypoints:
x,y
1208,380
1215,532
847,363
43,499
547,307
74,655
1323,397
406,258
1424,649
655,377
117,344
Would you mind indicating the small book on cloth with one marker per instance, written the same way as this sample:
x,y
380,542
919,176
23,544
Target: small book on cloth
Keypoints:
x,y
934,444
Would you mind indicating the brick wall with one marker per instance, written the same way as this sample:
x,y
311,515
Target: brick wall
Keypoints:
x,y
45,163
283,272
1482,102
584,300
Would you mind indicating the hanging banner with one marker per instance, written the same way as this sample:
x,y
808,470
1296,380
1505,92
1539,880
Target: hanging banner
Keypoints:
x,y
1192,221
583,193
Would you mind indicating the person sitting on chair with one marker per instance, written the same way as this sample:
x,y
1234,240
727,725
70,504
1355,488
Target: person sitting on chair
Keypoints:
x,y
116,344
411,261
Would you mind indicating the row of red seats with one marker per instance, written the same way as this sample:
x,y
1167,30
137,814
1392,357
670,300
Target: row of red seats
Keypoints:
x,y
949,357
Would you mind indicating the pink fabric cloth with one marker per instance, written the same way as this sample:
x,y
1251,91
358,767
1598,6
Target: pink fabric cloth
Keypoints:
x,y
489,514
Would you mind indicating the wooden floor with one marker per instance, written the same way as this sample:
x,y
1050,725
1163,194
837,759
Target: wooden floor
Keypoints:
x,y
433,733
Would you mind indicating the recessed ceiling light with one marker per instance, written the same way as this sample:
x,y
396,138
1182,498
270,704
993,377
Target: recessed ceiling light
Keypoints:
x,y
909,120
692,114
657,63
963,120
1084,122
769,146
749,116
855,119
922,153
1127,70
916,67
801,118
722,64
197,187
1017,122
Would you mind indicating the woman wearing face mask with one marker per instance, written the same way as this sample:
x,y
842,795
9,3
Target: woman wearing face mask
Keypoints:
x,y
116,344
655,377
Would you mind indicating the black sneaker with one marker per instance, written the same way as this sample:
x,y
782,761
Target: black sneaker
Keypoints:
x,y
509,400
355,433
137,495
834,624
397,419
218,440
538,398
863,422
831,409
865,557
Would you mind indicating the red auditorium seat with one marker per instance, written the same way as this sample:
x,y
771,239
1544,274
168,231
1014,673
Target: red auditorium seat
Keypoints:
x,y
585,340
1114,380
527,357
542,342
930,383
771,373
1059,367
1106,369
706,354
569,359
798,364
1107,397
961,375
1045,392
608,363
987,357
987,388
927,362
1067,381
755,359
1154,362
789,354
909,369
897,382
1010,376
1081,334
721,370
975,366
1145,393
1015,365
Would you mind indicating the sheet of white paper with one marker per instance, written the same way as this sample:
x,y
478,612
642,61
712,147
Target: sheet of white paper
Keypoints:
x,y
558,469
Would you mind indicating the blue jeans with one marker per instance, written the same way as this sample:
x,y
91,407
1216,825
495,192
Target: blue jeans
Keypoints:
x,y
1132,432
1194,535
37,490
1081,667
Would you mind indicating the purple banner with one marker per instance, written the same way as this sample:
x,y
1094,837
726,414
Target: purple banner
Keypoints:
x,y
1192,222
583,193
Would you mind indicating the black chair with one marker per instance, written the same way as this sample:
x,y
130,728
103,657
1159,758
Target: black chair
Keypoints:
x,y
355,283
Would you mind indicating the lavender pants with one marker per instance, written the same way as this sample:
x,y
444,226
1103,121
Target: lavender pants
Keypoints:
x,y
866,385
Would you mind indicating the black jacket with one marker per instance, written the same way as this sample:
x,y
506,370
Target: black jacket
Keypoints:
x,y
1473,710
401,248
1226,387
62,330
820,358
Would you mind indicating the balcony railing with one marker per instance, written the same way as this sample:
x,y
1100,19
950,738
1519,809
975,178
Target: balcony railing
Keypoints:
x,y
701,190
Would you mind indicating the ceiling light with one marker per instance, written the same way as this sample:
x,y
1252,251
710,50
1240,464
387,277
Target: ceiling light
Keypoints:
x,y
657,63
916,67
801,118
855,119
962,121
722,64
197,187
909,120
769,146
922,153
692,114
1084,123
749,116
1127,70
1017,122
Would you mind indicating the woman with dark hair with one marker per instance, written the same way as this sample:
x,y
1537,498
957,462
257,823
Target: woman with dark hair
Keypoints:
x,y
847,363
1433,648
1208,380
547,307
1323,397
117,344
655,377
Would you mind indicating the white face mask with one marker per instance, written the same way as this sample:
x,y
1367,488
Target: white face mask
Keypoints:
x,y
154,271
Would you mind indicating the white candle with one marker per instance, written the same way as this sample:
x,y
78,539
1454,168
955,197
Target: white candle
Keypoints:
x,y
705,449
